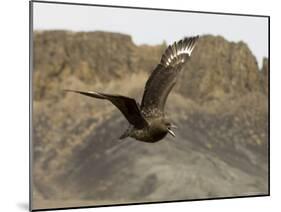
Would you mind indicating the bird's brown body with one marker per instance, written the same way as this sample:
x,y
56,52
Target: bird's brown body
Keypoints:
x,y
152,133
147,121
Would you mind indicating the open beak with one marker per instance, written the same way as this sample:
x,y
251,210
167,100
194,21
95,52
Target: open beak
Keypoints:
x,y
171,132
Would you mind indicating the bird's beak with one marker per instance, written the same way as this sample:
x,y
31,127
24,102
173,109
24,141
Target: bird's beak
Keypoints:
x,y
171,132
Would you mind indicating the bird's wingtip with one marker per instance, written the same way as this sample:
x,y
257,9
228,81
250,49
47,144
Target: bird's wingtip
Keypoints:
x,y
179,51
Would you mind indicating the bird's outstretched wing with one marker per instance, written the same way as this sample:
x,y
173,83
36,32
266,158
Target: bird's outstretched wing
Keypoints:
x,y
126,105
164,76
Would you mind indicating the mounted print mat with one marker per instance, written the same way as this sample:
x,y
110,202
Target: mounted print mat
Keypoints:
x,y
138,105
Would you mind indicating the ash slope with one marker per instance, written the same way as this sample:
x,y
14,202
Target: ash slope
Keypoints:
x,y
219,104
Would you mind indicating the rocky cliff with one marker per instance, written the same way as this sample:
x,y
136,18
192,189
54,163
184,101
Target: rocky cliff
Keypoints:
x,y
217,68
220,105
89,57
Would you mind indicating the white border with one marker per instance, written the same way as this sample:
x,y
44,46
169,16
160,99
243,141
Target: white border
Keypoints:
x,y
14,104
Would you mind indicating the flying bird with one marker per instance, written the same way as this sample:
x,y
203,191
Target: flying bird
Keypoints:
x,y
147,120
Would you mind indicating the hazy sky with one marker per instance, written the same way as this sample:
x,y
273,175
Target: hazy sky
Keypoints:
x,y
153,27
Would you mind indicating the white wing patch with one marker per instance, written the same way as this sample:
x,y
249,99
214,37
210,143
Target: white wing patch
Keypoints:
x,y
178,52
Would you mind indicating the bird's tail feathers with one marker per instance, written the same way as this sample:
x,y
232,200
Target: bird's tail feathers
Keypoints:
x,y
179,52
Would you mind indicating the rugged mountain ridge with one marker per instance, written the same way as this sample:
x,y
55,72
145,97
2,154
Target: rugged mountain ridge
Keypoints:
x,y
217,67
89,56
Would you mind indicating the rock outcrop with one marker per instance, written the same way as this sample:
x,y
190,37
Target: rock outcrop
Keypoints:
x,y
219,68
87,56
